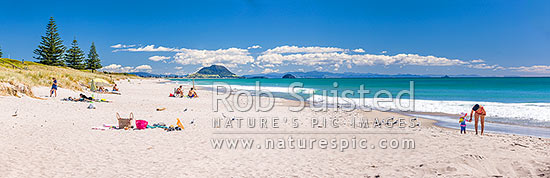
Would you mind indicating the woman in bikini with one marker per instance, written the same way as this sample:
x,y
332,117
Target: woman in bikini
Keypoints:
x,y
479,113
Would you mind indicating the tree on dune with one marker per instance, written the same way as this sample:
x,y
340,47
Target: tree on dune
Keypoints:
x,y
93,62
0,51
51,49
74,56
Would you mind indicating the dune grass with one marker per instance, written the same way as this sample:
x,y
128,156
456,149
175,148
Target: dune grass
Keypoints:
x,y
18,77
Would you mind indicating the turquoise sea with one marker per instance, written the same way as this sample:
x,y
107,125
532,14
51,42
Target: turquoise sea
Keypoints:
x,y
523,101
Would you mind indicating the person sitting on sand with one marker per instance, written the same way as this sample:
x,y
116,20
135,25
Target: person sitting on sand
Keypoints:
x,y
54,88
479,113
115,88
192,93
179,91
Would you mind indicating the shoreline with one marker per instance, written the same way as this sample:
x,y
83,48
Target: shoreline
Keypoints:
x,y
442,120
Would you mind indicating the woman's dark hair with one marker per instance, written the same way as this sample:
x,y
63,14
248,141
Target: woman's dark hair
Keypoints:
x,y
191,88
476,107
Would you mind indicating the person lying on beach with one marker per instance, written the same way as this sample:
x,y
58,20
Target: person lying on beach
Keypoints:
x,y
85,98
82,97
115,88
192,93
54,88
479,113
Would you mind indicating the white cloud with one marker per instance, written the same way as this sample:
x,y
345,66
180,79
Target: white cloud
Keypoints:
x,y
144,67
149,48
336,66
415,59
313,56
229,57
125,69
122,46
313,59
112,66
544,69
178,68
269,65
296,49
359,50
484,66
254,47
159,58
477,61
269,70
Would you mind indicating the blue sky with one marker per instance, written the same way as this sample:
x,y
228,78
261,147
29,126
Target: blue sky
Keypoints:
x,y
388,37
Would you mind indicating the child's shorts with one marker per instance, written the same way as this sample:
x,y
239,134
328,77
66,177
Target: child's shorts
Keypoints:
x,y
462,128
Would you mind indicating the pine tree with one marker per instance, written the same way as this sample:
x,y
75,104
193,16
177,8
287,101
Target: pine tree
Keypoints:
x,y
74,56
0,51
93,62
51,49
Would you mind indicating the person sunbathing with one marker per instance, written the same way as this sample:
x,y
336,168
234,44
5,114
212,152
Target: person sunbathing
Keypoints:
x,y
115,88
82,97
85,98
192,93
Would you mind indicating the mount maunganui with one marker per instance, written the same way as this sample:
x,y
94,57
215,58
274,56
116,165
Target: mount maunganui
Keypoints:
x,y
214,71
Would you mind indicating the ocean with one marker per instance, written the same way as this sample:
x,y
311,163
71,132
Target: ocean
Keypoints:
x,y
522,101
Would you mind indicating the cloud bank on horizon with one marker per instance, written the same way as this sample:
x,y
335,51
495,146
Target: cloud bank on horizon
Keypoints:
x,y
126,69
316,57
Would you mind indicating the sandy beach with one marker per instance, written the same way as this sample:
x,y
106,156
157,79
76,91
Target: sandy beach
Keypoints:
x,y
54,138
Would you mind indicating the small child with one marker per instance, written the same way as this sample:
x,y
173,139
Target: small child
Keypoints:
x,y
462,122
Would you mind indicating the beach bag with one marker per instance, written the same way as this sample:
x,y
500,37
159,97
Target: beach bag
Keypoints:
x,y
141,124
124,122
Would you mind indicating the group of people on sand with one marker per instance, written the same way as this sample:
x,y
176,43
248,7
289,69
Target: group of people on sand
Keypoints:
x,y
103,90
191,94
479,114
53,90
